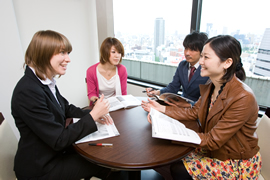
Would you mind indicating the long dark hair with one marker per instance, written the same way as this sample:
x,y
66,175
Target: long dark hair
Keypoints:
x,y
225,47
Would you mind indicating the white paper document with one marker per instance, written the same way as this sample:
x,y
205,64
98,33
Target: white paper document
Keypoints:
x,y
104,131
123,101
165,127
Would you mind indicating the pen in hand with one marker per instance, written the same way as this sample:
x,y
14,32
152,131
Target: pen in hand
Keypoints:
x,y
100,144
149,90
95,100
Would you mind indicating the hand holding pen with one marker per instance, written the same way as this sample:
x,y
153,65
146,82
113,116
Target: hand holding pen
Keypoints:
x,y
100,111
95,99
151,91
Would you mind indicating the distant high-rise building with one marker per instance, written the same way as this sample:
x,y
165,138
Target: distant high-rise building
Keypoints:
x,y
159,33
209,27
262,65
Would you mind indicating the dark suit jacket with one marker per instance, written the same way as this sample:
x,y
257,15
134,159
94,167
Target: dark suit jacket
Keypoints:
x,y
41,123
190,89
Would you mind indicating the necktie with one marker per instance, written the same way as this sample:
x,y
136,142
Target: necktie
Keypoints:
x,y
192,70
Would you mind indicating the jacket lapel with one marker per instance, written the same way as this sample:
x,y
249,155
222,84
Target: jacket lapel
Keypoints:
x,y
219,104
51,96
204,90
60,99
29,72
185,74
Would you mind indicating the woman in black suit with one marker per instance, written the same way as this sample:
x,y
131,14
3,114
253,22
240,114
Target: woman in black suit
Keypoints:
x,y
40,112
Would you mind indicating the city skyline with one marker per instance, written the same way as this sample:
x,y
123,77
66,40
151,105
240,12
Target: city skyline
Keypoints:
x,y
135,27
138,16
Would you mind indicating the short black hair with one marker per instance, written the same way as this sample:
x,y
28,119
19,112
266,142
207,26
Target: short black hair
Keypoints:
x,y
195,41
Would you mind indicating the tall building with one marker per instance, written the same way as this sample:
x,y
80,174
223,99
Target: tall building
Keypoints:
x,y
159,34
262,65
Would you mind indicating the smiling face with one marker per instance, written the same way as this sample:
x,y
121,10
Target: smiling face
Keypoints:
x,y
59,63
211,64
115,56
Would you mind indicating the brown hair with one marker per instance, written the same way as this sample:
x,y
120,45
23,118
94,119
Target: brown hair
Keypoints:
x,y
43,46
106,46
226,46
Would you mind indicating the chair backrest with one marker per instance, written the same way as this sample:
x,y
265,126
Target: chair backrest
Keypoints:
x,y
1,118
263,132
9,144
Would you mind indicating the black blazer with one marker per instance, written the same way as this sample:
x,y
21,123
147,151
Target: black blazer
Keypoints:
x,y
40,120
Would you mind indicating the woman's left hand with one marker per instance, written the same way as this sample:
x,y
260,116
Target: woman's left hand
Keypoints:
x,y
106,119
152,104
149,118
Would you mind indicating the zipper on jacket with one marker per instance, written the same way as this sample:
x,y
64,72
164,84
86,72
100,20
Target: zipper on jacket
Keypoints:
x,y
239,142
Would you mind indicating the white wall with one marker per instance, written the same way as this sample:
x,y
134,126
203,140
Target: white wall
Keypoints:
x,y
76,19
11,58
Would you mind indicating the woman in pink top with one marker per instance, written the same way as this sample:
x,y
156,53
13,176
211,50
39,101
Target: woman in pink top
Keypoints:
x,y
107,77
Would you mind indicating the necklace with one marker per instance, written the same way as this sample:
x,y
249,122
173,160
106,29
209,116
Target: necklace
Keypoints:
x,y
212,101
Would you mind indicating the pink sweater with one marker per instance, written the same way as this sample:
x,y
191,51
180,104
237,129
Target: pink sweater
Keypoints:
x,y
92,82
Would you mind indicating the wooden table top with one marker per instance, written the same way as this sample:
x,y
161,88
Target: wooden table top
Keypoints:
x,y
134,149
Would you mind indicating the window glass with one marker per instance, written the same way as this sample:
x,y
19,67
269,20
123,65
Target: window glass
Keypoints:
x,y
152,30
247,22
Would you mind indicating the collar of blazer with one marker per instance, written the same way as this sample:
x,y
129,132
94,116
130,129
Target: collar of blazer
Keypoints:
x,y
30,73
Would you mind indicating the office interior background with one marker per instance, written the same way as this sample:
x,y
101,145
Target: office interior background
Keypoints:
x,y
151,31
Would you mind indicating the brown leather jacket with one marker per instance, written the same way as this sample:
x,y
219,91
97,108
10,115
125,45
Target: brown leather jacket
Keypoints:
x,y
228,132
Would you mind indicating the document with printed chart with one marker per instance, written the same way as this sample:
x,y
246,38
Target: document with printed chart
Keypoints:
x,y
165,127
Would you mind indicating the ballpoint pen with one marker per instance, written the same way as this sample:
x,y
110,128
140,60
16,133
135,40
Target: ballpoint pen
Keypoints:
x,y
100,144
95,100
149,90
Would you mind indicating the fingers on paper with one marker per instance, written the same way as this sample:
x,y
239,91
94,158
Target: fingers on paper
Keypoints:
x,y
149,118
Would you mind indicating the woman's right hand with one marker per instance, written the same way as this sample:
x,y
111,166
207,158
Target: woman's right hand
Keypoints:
x,y
100,110
150,91
94,99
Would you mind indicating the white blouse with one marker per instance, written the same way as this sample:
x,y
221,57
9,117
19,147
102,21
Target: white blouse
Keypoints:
x,y
109,87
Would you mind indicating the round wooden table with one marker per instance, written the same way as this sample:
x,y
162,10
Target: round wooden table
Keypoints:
x,y
134,149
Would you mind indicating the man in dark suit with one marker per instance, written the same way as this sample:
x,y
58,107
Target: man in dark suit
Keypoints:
x,y
186,76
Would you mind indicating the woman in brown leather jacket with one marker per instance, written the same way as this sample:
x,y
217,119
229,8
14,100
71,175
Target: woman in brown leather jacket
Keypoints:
x,y
227,110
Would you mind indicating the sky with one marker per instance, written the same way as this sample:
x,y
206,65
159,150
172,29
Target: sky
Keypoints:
x,y
139,16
